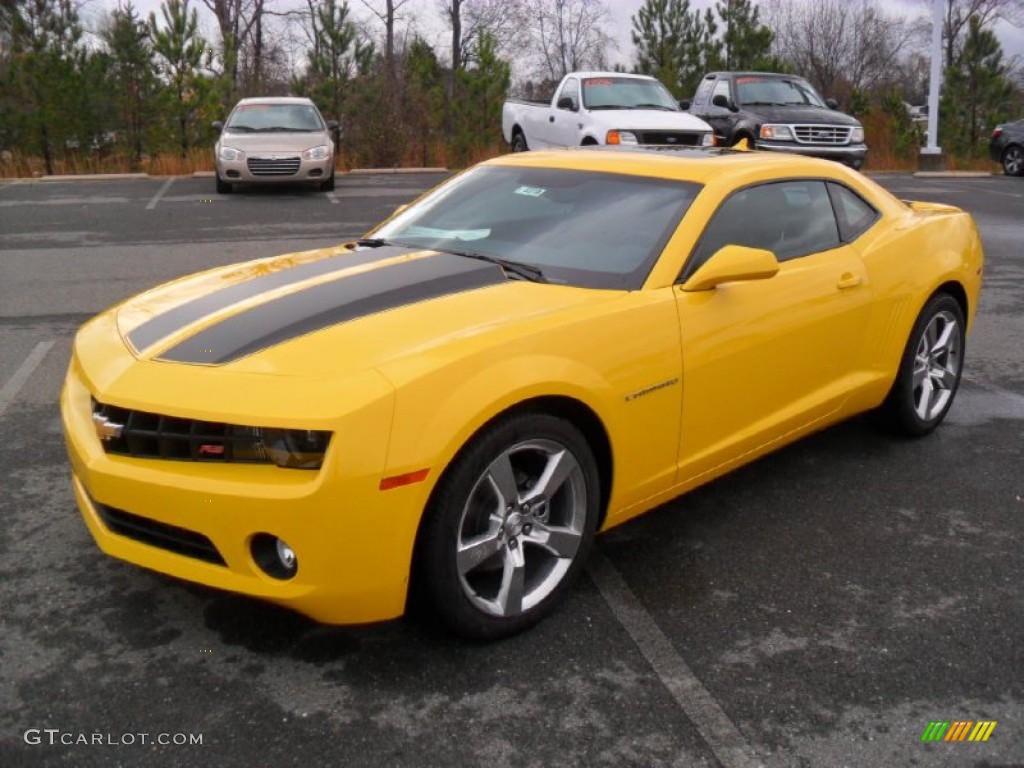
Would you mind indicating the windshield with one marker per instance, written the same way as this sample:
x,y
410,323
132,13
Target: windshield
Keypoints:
x,y
275,118
596,230
776,90
626,93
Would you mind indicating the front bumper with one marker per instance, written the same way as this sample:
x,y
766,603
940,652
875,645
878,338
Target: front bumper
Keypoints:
x,y
853,155
353,541
283,168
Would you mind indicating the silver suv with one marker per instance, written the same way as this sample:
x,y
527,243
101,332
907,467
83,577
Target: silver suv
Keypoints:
x,y
273,140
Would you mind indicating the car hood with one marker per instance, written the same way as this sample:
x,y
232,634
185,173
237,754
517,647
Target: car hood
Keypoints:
x,y
274,142
335,311
803,115
648,120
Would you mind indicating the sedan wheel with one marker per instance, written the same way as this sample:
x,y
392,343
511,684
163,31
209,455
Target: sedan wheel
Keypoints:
x,y
1013,161
511,526
929,374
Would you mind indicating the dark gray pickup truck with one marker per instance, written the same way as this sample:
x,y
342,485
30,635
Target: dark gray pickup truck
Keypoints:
x,y
778,112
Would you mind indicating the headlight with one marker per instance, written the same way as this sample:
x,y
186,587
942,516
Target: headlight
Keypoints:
x,y
776,132
857,135
708,140
295,448
620,137
230,154
317,153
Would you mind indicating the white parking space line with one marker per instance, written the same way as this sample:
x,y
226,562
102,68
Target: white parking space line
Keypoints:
x,y
333,198
986,190
720,733
13,386
14,183
158,195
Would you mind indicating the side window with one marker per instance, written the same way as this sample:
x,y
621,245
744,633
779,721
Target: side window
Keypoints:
x,y
570,90
703,94
721,88
854,215
791,219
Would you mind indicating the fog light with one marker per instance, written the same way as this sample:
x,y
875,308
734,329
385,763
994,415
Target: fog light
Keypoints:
x,y
274,557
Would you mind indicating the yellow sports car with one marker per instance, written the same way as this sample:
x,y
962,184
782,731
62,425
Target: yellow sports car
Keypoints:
x,y
543,347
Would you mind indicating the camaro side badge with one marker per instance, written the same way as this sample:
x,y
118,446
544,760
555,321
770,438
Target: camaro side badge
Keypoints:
x,y
648,390
105,428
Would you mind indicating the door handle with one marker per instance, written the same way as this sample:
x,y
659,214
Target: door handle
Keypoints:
x,y
551,119
849,280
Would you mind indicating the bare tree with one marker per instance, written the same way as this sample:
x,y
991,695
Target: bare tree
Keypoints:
x,y
500,22
839,45
388,15
568,35
236,19
959,14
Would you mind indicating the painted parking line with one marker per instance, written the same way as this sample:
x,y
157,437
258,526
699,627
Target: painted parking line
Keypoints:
x,y
715,727
13,386
333,198
14,183
158,195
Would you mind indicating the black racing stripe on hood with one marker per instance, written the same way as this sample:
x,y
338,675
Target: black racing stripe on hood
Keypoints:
x,y
331,303
163,325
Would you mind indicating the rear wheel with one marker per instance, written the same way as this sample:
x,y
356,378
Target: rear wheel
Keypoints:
x,y
1013,161
519,142
929,373
510,526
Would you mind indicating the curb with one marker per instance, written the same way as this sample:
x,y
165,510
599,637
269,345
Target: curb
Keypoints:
x,y
93,177
953,174
358,171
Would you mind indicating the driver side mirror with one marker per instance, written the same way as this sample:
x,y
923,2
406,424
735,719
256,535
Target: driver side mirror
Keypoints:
x,y
684,104
831,103
217,125
732,264
566,102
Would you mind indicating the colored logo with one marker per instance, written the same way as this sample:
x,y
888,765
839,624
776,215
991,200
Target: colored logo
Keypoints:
x,y
958,730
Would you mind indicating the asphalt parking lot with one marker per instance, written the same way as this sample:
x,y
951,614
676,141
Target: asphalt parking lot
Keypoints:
x,y
817,608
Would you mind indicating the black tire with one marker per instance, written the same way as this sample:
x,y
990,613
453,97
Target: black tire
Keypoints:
x,y
1013,160
223,187
328,184
925,365
519,142
551,535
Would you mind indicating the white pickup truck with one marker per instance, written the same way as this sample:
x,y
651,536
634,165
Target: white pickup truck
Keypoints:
x,y
603,108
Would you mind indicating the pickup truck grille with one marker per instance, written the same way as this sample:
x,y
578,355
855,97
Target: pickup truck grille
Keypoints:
x,y
265,166
831,135
672,138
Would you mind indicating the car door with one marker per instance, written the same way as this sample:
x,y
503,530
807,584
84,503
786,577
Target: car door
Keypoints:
x,y
562,126
765,358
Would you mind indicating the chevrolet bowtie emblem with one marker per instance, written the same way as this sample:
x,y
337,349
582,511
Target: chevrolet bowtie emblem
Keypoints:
x,y
105,428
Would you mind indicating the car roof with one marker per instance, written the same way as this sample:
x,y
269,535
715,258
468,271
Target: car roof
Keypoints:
x,y
276,100
752,73
606,73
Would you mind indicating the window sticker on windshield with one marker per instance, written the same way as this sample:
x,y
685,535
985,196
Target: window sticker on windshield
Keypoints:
x,y
531,191
745,80
598,81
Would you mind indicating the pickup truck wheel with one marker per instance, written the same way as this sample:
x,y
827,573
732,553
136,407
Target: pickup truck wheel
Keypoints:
x,y
1013,161
519,142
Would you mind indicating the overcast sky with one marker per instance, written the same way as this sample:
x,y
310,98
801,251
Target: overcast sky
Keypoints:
x,y
423,14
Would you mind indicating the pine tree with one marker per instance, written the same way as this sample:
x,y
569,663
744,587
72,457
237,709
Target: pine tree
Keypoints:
x,y
131,75
674,43
746,42
181,49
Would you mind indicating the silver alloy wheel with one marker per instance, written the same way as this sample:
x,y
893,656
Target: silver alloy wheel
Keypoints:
x,y
521,527
937,361
1013,161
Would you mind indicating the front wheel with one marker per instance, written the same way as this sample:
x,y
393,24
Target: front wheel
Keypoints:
x,y
509,527
929,373
223,187
327,185
1013,161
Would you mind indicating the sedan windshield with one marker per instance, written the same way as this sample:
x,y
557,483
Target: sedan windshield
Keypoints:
x,y
274,118
626,93
597,230
778,91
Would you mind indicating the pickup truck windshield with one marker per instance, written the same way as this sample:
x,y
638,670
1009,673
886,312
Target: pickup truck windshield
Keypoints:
x,y
626,93
274,118
582,228
776,91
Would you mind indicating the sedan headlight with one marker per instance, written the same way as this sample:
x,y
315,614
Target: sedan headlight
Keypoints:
x,y
317,153
295,448
857,135
776,132
620,137
231,155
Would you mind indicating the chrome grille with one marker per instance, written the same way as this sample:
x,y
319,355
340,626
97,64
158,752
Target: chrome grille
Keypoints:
x,y
280,166
141,434
822,134
672,138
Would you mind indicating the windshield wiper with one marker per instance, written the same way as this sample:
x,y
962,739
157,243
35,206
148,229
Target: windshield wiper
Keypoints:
x,y
246,128
653,106
372,242
525,271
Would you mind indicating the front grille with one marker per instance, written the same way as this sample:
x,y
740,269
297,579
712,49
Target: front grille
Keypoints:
x,y
672,138
832,135
181,541
265,166
152,436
